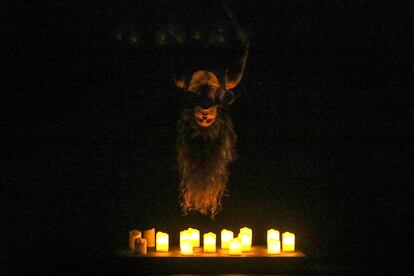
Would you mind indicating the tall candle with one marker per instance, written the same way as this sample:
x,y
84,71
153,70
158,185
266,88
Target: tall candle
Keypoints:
x,y
185,235
133,235
246,241
195,236
209,242
226,236
273,246
235,247
186,247
288,242
249,232
273,234
149,235
162,242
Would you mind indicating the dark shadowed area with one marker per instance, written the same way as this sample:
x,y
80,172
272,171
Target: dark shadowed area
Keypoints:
x,y
89,128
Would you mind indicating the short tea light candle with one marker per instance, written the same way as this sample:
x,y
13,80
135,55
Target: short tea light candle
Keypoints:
x,y
162,242
186,247
288,242
209,242
273,246
195,236
226,236
235,247
273,234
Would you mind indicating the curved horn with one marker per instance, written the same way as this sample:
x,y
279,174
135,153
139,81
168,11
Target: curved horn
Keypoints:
x,y
233,78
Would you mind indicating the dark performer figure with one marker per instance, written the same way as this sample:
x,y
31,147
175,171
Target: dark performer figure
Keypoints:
x,y
206,138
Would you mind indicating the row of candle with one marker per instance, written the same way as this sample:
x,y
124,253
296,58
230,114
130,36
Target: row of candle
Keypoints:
x,y
190,239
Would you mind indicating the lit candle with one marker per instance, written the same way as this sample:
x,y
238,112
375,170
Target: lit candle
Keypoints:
x,y
249,232
273,246
235,247
226,236
209,242
288,242
273,234
186,247
149,235
162,242
133,235
246,241
195,236
184,235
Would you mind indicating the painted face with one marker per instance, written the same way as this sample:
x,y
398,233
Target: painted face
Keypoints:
x,y
205,117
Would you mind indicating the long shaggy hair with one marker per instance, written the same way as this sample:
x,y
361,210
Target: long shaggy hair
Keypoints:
x,y
203,156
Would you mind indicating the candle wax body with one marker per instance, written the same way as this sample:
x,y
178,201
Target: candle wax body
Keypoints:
x,y
288,242
162,242
210,242
149,235
273,234
195,236
186,247
226,236
273,246
235,247
246,241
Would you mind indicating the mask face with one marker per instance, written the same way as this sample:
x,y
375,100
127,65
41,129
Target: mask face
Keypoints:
x,y
205,117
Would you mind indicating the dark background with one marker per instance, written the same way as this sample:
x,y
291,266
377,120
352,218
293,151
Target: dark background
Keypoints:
x,y
88,128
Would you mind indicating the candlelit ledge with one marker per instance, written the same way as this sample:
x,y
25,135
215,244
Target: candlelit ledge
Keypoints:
x,y
255,261
256,251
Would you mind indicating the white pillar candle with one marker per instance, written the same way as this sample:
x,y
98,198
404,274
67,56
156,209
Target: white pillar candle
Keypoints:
x,y
209,242
186,247
246,241
185,235
141,246
226,236
235,247
162,242
249,232
273,234
288,242
133,235
149,235
195,236
273,246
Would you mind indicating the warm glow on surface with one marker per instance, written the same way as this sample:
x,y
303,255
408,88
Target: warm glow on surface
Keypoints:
x,y
273,234
195,236
186,247
162,242
226,236
209,242
235,247
273,246
288,242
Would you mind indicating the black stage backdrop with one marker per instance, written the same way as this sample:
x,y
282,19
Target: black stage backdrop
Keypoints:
x,y
89,117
